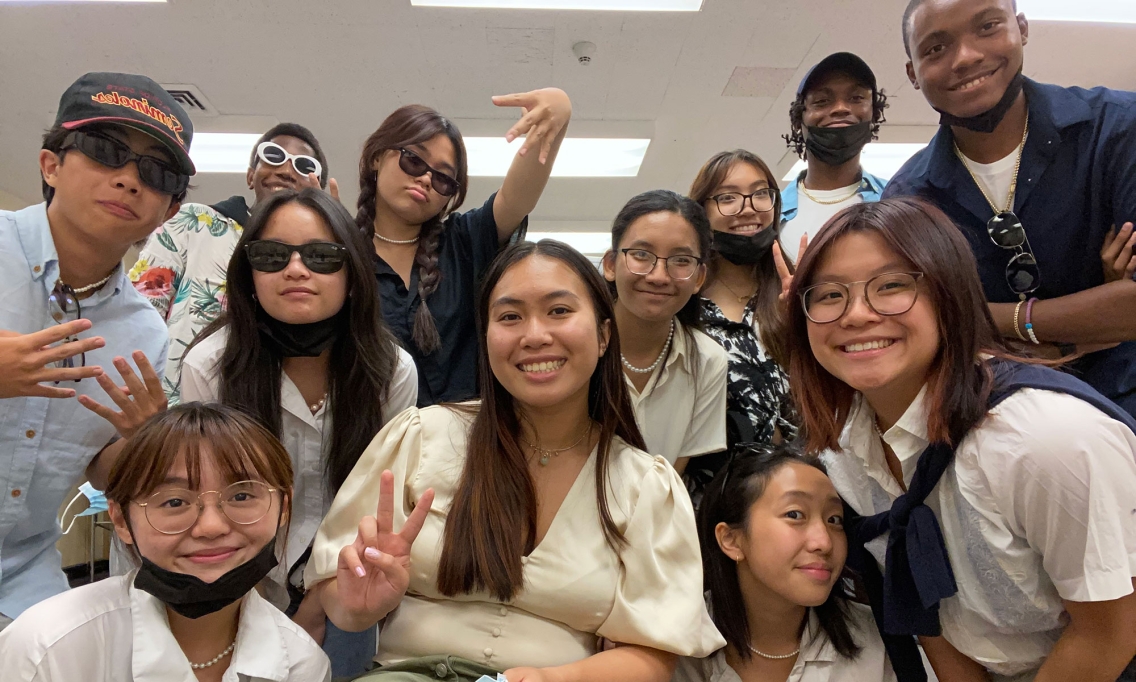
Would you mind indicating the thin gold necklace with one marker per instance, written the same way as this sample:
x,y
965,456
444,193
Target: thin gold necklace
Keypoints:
x,y
741,299
546,454
1013,178
826,202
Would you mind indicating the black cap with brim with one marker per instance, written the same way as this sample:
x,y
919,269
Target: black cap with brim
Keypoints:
x,y
132,101
844,62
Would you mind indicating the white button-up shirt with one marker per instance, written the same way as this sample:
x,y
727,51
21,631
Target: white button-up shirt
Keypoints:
x,y
110,632
303,434
682,409
46,444
1037,507
818,661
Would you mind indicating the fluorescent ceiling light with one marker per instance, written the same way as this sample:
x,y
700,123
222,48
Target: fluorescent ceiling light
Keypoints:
x,y
222,152
882,159
624,5
587,243
1105,11
579,157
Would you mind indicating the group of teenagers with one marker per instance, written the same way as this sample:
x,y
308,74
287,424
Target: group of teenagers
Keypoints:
x,y
849,430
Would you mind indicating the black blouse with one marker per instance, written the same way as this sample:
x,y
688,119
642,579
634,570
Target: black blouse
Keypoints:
x,y
467,246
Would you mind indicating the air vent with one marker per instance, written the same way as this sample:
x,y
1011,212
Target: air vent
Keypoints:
x,y
191,99
759,81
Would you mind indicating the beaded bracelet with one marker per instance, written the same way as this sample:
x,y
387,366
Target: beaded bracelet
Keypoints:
x,y
1029,323
1017,311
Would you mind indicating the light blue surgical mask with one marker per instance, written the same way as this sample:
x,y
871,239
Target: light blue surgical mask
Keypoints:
x,y
96,500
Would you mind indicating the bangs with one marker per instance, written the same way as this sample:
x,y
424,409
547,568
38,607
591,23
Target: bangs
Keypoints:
x,y
192,433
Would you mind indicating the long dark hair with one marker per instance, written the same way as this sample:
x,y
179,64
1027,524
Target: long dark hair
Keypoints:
x,y
363,358
492,521
728,500
666,201
767,310
958,386
410,125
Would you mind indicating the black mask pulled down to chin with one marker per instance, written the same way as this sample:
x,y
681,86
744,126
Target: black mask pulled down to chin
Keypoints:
x,y
988,120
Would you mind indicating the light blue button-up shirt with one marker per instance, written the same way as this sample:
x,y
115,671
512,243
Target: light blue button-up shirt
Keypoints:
x,y
47,443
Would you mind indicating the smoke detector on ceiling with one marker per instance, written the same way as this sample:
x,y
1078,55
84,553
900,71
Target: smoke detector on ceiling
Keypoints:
x,y
191,99
584,52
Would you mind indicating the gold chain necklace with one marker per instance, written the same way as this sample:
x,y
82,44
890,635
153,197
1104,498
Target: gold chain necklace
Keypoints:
x,y
546,454
1013,178
826,202
741,299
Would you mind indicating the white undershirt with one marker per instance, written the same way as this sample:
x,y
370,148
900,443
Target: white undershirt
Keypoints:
x,y
812,216
995,178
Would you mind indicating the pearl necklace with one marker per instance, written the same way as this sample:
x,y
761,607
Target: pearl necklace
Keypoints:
x,y
547,454
772,657
826,202
663,354
218,657
92,287
395,241
318,405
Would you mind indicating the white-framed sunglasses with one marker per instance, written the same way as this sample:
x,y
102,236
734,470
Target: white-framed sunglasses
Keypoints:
x,y
275,155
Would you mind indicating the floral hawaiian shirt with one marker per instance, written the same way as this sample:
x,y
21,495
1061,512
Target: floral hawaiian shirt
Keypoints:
x,y
181,270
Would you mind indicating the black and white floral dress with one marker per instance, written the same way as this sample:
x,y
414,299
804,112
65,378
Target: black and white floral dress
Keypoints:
x,y
757,393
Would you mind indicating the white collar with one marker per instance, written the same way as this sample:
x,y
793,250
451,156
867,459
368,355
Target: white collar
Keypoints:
x,y
907,438
157,657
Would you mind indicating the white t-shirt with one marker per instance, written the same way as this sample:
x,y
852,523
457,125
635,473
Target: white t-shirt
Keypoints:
x,y
995,178
109,632
812,216
1036,508
682,409
303,435
818,660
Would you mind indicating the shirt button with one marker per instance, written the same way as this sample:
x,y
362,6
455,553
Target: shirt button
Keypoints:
x,y
496,632
488,652
503,611
16,492
36,269
29,433
440,670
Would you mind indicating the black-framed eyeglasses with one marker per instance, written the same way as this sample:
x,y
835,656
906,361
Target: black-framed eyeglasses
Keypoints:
x,y
65,302
275,155
325,258
415,166
642,262
892,293
154,172
733,203
1022,274
174,510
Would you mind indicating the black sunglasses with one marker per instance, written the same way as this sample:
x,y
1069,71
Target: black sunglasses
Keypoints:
x,y
65,299
415,167
1022,274
324,258
154,172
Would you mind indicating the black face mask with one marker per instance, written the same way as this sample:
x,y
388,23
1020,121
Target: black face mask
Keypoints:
x,y
192,597
300,340
837,146
742,250
986,122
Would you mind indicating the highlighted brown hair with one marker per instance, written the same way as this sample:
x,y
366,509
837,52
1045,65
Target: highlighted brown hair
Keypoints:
x,y
958,385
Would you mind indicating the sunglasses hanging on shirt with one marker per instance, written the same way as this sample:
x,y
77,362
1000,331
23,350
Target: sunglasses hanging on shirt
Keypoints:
x,y
152,171
275,155
1005,229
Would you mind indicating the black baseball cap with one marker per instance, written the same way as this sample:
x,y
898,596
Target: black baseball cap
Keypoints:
x,y
845,62
133,101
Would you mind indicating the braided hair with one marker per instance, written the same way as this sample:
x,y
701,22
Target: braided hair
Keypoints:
x,y
410,125
795,140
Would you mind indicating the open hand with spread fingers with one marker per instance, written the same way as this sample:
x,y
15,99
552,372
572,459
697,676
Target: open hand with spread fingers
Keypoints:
x,y
28,362
141,397
546,114
374,571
